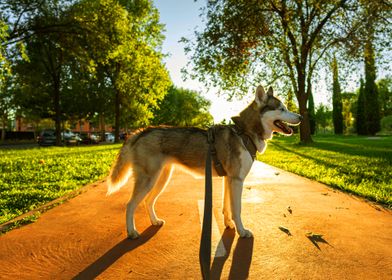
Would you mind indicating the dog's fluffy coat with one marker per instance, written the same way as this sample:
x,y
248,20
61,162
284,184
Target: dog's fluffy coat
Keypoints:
x,y
151,154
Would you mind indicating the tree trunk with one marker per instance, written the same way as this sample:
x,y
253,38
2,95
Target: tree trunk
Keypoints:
x,y
57,111
4,121
117,117
102,126
304,128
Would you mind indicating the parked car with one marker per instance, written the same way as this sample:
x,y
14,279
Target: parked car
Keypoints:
x,y
47,137
109,137
88,138
70,138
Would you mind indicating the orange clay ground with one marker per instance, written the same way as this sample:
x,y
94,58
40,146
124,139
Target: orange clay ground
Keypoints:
x,y
85,237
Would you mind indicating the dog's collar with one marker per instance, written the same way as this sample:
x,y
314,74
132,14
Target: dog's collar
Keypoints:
x,y
246,139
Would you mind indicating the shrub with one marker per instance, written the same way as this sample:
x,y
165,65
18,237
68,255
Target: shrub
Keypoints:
x,y
386,124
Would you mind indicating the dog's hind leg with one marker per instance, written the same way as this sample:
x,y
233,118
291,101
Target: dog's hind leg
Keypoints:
x,y
143,185
158,188
236,185
229,223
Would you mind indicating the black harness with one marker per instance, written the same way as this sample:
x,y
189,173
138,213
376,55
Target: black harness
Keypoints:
x,y
246,140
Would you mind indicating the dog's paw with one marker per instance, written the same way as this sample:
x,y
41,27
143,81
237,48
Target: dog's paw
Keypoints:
x,y
245,233
158,222
229,223
133,234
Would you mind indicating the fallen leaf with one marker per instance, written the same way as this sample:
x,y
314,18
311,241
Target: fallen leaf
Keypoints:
x,y
313,235
285,230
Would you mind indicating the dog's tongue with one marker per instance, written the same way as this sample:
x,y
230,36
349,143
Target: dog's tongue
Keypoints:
x,y
286,129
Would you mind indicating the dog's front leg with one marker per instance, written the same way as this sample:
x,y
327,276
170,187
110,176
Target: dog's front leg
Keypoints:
x,y
229,223
235,185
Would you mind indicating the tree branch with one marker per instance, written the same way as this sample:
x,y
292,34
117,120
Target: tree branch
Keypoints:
x,y
282,14
323,22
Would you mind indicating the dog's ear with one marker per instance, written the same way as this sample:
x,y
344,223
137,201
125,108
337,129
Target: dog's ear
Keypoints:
x,y
261,97
270,92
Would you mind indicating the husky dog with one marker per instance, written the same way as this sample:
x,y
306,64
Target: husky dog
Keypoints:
x,y
151,154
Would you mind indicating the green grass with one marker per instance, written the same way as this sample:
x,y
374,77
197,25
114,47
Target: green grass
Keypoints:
x,y
32,177
358,165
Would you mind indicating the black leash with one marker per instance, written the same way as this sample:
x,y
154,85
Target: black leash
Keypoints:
x,y
205,243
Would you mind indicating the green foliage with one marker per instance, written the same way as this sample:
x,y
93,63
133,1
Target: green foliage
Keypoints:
x,y
4,63
386,124
245,42
337,104
123,40
323,118
182,107
32,177
87,58
282,42
349,102
384,87
354,164
290,103
360,120
370,91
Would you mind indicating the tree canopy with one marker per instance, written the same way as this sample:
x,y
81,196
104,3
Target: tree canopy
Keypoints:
x,y
80,57
182,107
275,41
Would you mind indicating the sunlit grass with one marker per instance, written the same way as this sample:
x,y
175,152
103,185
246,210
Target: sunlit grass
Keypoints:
x,y
34,176
359,165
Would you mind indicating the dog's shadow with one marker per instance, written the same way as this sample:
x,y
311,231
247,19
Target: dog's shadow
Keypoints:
x,y
111,256
242,257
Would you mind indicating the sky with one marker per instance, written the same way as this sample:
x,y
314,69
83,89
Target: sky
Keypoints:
x,y
181,17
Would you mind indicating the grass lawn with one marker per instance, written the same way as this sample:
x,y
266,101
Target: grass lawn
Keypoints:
x,y
359,165
31,177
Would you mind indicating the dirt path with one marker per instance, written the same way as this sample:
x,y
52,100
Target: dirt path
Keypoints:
x,y
84,238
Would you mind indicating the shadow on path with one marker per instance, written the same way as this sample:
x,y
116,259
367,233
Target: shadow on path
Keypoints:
x,y
111,256
218,262
242,257
318,239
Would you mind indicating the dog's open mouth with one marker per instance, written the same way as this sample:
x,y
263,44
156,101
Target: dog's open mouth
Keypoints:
x,y
283,127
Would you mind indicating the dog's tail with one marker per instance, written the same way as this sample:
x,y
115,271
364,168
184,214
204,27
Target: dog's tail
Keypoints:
x,y
121,169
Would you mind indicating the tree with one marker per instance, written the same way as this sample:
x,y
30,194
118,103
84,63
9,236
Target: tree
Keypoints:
x,y
290,104
87,56
384,87
370,90
182,107
6,101
312,117
361,123
348,111
123,41
337,105
323,117
279,39
47,57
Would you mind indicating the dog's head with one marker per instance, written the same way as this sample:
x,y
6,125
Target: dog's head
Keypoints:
x,y
273,113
